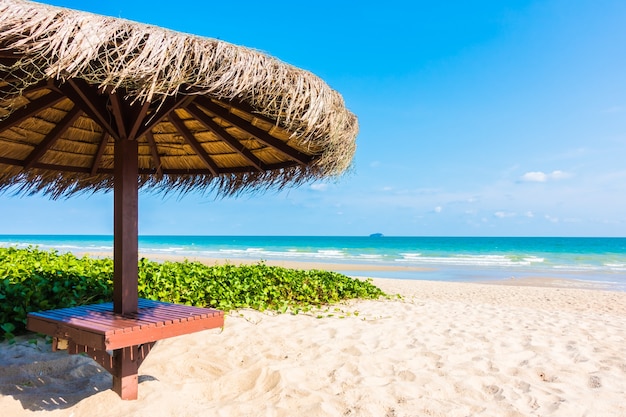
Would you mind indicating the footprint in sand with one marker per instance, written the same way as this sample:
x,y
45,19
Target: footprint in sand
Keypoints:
x,y
406,376
594,382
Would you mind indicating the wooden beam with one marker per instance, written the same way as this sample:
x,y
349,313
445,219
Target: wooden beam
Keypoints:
x,y
104,358
156,159
163,110
11,161
259,134
9,79
92,103
52,137
125,373
8,54
9,88
119,115
128,118
223,135
104,140
7,62
191,140
139,116
13,74
125,218
31,109
243,106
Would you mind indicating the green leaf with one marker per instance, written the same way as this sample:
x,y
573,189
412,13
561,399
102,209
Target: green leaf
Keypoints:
x,y
8,327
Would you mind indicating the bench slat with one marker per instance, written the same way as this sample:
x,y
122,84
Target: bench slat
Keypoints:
x,y
96,321
98,327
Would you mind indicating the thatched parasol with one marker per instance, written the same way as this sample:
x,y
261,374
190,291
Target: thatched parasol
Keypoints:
x,y
91,103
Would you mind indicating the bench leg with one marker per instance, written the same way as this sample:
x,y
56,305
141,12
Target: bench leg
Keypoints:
x,y
123,365
125,372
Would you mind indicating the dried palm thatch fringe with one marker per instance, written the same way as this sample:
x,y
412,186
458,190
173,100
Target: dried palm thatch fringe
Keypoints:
x,y
150,64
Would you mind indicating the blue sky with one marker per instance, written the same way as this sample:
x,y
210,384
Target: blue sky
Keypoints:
x,y
481,118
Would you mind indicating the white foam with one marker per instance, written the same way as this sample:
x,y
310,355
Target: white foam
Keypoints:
x,y
478,260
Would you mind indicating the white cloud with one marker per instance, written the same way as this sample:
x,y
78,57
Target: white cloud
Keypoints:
x,y
504,214
538,176
529,214
438,209
534,177
559,175
319,187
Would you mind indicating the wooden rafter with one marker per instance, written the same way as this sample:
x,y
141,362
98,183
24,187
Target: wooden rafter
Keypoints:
x,y
191,140
9,79
91,102
6,89
128,118
221,133
243,106
104,140
8,61
155,153
11,161
138,119
8,54
258,134
164,109
10,89
119,115
52,137
30,110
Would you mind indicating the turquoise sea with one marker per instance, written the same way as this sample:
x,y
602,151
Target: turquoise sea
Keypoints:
x,y
595,260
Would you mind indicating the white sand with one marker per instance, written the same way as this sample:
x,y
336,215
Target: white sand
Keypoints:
x,y
446,349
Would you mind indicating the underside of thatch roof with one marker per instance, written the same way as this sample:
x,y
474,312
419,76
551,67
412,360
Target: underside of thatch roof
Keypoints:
x,y
205,114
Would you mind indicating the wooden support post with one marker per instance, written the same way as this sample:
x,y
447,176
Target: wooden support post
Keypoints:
x,y
125,293
125,372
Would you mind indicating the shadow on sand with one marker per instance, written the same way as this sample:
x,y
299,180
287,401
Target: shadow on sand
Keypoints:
x,y
43,380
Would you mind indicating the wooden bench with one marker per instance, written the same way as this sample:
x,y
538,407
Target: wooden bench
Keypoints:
x,y
96,330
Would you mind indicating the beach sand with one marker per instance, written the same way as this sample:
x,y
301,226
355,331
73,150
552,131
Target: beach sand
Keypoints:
x,y
443,349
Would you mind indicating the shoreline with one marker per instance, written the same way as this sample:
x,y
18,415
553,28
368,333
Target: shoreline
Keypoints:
x,y
358,270
286,263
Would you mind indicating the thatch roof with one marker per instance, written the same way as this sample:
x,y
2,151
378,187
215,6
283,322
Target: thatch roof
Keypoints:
x,y
206,114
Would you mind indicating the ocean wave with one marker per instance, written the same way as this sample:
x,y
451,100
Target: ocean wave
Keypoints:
x,y
443,258
58,247
370,257
592,268
169,250
469,260
278,254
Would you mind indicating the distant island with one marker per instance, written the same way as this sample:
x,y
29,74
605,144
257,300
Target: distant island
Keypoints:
x,y
376,235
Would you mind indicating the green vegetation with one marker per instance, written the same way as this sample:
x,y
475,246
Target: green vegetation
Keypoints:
x,y
33,280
